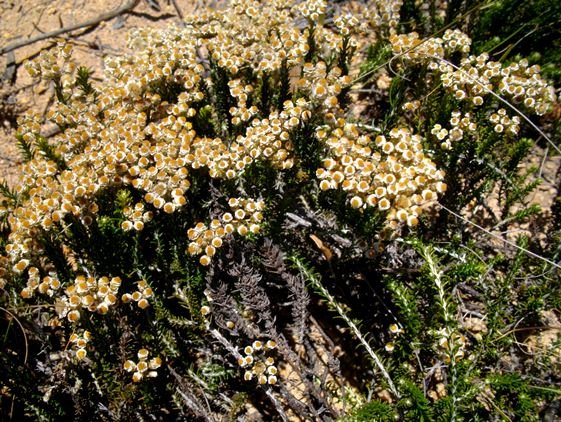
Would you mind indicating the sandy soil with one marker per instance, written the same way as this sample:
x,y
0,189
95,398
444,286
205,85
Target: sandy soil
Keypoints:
x,y
24,19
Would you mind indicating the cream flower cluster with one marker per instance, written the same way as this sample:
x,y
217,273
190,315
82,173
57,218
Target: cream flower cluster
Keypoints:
x,y
395,330
259,366
143,367
264,139
411,106
133,135
95,295
523,84
460,124
246,217
398,178
140,296
347,24
137,216
455,40
477,76
503,123
478,81
312,9
383,15
452,346
240,36
366,22
80,342
412,48
54,65
323,86
427,9
348,34
241,92
139,131
518,82
48,285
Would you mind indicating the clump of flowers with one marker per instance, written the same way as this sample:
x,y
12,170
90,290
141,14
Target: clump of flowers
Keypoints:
x,y
143,367
95,295
451,345
412,48
477,86
397,178
476,77
48,285
459,125
245,218
237,125
312,10
137,216
395,331
80,341
505,124
383,16
136,135
259,366
437,8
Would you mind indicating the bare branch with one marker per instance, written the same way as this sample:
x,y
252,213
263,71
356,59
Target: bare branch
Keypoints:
x,y
129,5
178,10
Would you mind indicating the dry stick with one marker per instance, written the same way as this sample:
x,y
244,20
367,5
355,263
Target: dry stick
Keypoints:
x,y
177,9
131,4
24,14
10,72
516,329
542,162
277,405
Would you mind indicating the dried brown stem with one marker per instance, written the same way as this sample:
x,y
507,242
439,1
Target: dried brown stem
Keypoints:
x,y
177,10
128,6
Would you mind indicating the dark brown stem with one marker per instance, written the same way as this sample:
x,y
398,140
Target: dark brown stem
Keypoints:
x,y
128,6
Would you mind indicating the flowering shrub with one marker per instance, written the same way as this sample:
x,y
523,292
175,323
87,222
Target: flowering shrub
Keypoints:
x,y
217,192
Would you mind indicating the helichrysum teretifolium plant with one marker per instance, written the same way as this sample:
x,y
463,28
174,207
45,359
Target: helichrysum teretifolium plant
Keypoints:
x,y
155,176
140,130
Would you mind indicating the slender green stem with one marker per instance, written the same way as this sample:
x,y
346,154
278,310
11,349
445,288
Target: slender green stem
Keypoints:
x,y
315,280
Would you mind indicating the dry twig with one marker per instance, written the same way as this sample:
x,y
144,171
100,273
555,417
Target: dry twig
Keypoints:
x,y
177,9
128,6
